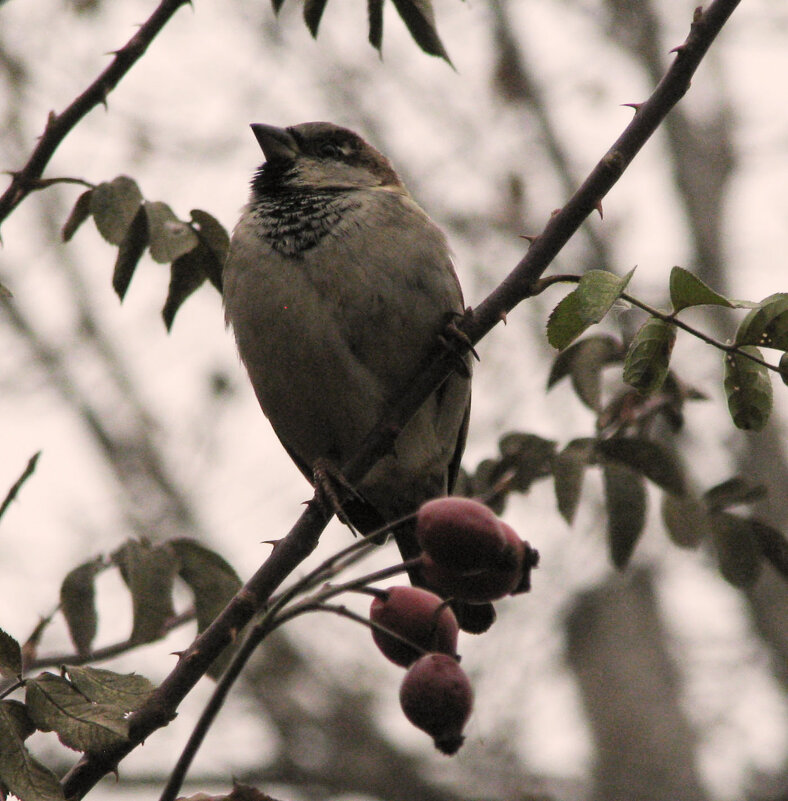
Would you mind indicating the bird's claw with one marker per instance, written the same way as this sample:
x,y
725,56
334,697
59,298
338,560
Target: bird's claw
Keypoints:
x,y
457,344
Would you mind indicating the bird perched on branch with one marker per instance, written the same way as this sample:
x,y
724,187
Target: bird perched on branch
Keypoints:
x,y
337,287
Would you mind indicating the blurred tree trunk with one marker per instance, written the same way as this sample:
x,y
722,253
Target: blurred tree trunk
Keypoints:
x,y
616,646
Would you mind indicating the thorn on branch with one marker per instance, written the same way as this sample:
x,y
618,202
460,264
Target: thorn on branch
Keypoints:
x,y
635,106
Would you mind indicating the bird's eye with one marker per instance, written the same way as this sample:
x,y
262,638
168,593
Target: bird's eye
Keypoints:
x,y
329,150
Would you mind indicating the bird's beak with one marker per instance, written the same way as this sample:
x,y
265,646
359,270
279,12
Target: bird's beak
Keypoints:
x,y
275,142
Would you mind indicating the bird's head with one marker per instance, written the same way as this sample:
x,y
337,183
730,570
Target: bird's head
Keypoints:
x,y
318,156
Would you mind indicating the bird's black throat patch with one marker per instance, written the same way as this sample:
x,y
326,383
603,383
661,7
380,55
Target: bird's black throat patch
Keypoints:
x,y
294,220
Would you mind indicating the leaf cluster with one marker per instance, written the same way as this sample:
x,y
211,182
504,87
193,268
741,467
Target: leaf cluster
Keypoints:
x,y
88,708
418,16
195,250
746,380
629,454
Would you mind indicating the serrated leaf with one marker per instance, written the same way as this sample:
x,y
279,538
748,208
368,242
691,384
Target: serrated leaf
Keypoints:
x,y
568,471
767,324
688,290
783,368
10,656
187,274
375,20
648,358
84,725
654,461
597,291
214,236
126,691
527,455
738,554
419,18
583,362
169,236
130,252
313,12
149,573
732,492
23,775
772,544
625,500
213,582
114,204
77,603
686,520
748,389
211,578
79,214
16,716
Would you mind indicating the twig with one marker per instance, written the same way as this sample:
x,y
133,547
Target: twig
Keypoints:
x,y
108,651
58,126
17,485
668,317
304,535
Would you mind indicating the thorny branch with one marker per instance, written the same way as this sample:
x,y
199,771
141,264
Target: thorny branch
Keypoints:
x,y
304,535
27,179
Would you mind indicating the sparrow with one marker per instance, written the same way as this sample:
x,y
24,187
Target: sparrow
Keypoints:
x,y
337,287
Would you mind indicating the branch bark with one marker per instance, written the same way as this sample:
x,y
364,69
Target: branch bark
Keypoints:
x,y
25,180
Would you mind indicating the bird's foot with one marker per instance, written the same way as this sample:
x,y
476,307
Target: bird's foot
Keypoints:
x,y
331,487
457,344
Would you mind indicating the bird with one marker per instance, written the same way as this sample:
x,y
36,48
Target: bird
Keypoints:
x,y
337,287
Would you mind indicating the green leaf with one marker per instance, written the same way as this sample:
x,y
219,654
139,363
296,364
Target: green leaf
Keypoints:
x,y
169,236
130,252
22,774
597,291
783,368
78,604
648,358
212,579
114,204
213,582
738,553
10,656
187,274
568,470
688,290
84,725
126,691
583,362
375,19
749,390
528,455
79,214
214,236
733,492
767,324
149,573
419,17
772,544
653,460
686,520
313,12
625,499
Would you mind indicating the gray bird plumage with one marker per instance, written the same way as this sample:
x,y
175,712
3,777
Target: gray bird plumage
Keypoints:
x,y
337,287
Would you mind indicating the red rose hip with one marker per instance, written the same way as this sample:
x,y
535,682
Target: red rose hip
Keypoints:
x,y
460,533
436,697
419,616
